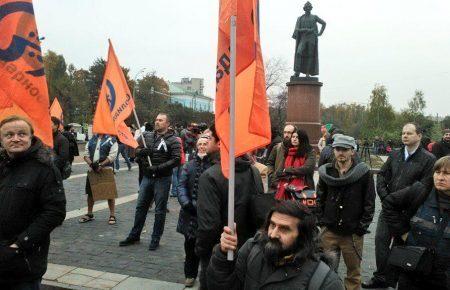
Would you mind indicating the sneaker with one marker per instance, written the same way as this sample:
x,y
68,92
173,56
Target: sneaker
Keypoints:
x,y
128,241
374,283
189,282
154,244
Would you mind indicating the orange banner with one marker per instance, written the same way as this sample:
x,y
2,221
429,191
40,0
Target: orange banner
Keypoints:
x,y
23,87
252,110
115,103
56,110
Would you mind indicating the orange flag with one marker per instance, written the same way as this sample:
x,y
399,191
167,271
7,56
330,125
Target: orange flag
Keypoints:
x,y
252,110
115,103
56,110
23,87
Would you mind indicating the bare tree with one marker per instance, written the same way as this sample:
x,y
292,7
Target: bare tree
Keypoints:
x,y
276,73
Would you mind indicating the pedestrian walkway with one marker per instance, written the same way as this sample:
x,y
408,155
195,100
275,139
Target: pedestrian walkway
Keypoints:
x,y
68,277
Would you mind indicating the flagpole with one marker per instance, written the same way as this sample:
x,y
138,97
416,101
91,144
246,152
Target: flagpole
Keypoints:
x,y
231,159
136,116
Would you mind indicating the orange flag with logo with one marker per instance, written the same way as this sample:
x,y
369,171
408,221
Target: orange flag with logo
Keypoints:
x,y
252,110
115,103
56,110
23,87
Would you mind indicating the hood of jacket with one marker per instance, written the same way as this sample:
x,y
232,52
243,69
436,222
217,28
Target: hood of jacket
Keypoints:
x,y
354,174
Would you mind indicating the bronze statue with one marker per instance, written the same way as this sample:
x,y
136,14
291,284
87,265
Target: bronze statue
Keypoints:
x,y
306,44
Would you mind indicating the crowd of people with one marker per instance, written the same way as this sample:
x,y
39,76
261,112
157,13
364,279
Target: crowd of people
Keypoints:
x,y
290,230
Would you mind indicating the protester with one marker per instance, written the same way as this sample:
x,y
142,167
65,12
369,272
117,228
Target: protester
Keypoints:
x,y
60,146
122,150
442,148
32,204
327,153
429,228
402,169
176,172
73,145
346,194
275,161
298,166
212,204
163,150
323,140
100,153
189,138
187,197
262,169
282,256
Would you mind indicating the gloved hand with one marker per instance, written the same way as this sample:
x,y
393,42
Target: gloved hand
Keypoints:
x,y
151,170
144,152
190,209
95,166
388,202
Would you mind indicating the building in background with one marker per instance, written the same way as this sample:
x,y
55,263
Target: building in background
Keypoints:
x,y
189,93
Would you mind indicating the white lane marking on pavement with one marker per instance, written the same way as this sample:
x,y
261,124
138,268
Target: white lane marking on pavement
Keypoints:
x,y
101,206
85,174
79,163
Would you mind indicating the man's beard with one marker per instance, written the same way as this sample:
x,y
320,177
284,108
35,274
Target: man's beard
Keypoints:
x,y
287,143
273,249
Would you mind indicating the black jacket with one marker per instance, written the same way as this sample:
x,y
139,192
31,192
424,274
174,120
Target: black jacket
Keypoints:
x,y
346,204
250,270
212,204
441,149
32,204
165,152
61,150
188,193
397,173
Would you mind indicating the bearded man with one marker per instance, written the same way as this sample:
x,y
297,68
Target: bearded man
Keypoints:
x,y
282,256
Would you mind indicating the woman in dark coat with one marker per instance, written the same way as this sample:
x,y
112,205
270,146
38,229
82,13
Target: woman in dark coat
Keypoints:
x,y
187,197
299,164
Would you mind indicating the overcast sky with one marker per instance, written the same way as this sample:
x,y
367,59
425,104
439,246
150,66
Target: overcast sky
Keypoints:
x,y
404,45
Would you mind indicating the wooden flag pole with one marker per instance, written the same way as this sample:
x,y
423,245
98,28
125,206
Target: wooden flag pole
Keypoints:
x,y
231,174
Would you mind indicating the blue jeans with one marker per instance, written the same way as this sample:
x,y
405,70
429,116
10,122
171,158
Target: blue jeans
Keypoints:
x,y
32,285
157,189
175,176
124,152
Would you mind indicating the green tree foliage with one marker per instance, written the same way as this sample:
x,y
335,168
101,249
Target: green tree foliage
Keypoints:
x,y
380,117
348,117
446,122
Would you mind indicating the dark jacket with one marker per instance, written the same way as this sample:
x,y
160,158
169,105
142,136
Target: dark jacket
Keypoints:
x,y
326,156
397,173
212,204
400,206
441,149
106,143
61,150
275,163
32,204
307,170
425,226
347,203
187,194
251,271
73,145
165,152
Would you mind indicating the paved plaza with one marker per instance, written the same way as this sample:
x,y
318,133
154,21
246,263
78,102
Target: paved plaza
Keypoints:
x,y
94,245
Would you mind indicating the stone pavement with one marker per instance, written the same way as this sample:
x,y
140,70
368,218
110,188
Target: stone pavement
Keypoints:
x,y
94,245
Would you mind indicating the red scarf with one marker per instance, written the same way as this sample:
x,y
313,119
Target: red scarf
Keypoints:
x,y
291,160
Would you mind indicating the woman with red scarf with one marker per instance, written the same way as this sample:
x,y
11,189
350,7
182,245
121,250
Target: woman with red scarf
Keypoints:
x,y
299,164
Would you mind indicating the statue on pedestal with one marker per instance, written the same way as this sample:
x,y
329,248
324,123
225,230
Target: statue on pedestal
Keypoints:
x,y
306,43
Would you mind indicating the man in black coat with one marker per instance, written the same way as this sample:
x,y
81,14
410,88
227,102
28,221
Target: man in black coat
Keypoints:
x,y
60,146
282,256
402,169
442,148
164,151
32,204
73,145
212,203
346,194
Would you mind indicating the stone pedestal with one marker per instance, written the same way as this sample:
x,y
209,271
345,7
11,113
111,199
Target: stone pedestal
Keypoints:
x,y
303,107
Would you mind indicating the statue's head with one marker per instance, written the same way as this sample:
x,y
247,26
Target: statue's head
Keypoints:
x,y
307,7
